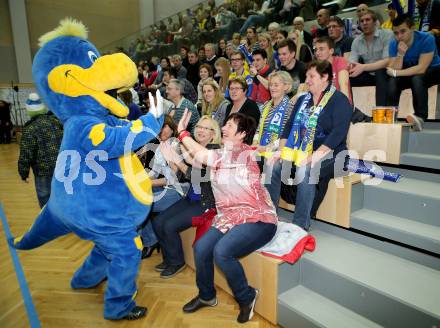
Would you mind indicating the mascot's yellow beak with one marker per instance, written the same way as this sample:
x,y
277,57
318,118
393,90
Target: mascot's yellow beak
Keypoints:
x,y
107,72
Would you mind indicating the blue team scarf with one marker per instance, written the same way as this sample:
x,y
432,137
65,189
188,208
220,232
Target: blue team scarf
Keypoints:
x,y
273,130
298,147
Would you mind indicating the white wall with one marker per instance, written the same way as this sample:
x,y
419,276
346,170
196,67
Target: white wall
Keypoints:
x,y
166,8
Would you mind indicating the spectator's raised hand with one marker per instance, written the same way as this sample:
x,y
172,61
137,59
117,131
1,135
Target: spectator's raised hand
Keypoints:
x,y
156,109
183,123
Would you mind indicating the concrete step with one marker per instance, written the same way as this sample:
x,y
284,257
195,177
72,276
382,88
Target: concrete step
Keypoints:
x,y
421,160
410,198
302,307
426,141
390,290
406,231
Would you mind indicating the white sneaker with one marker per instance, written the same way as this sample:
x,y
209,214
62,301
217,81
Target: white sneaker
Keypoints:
x,y
416,121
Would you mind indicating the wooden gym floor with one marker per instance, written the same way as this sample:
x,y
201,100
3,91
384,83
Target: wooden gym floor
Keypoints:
x,y
48,271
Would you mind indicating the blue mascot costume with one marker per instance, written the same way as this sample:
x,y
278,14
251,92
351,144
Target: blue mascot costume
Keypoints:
x,y
100,190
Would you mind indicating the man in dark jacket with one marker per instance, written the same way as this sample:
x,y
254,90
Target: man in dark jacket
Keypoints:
x,y
39,147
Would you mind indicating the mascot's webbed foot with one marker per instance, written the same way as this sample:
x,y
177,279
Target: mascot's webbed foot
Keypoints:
x,y
11,242
136,313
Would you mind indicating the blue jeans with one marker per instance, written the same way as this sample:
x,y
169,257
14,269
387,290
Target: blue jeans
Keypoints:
x,y
252,20
169,223
163,198
282,171
225,250
42,186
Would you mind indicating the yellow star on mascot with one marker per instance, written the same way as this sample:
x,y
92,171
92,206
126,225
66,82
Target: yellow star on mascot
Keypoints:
x,y
100,190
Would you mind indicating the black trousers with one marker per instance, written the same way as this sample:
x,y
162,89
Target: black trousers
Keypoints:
x,y
379,80
419,85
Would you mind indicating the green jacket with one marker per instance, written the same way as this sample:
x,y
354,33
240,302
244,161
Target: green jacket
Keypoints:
x,y
39,145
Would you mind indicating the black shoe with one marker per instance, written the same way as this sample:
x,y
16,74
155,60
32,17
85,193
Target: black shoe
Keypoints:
x,y
247,312
160,267
137,313
148,250
171,271
197,303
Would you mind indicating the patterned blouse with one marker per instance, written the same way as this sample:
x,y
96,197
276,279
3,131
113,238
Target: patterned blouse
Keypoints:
x,y
240,197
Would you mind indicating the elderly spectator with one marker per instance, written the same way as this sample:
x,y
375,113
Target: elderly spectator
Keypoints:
x,y
306,37
174,92
239,103
177,64
369,57
273,30
322,18
336,33
214,103
210,56
312,140
260,71
275,113
414,63
189,92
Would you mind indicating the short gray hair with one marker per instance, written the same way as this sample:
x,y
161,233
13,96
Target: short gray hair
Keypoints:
x,y
284,77
178,84
275,26
176,57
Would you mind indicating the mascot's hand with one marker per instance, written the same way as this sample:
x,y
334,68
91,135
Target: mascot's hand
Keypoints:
x,y
156,109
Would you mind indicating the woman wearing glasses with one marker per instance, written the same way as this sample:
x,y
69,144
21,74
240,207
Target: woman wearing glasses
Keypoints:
x,y
238,88
169,223
213,102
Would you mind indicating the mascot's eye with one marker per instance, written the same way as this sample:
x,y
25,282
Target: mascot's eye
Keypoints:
x,y
92,56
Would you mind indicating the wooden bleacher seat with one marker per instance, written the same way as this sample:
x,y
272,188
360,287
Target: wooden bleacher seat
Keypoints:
x,y
336,206
390,139
365,99
261,272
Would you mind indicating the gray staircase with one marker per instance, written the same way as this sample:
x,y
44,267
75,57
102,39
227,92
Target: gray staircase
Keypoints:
x,y
344,283
407,212
423,147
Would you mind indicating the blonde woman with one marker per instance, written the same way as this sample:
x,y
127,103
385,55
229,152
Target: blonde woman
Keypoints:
x,y
303,52
223,70
213,103
264,41
199,199
275,112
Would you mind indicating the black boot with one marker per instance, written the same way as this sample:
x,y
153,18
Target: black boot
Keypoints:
x,y
136,313
148,250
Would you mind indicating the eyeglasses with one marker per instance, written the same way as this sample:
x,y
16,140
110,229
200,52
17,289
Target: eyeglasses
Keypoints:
x,y
204,128
235,89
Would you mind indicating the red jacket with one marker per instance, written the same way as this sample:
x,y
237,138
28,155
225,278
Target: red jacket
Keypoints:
x,y
259,93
